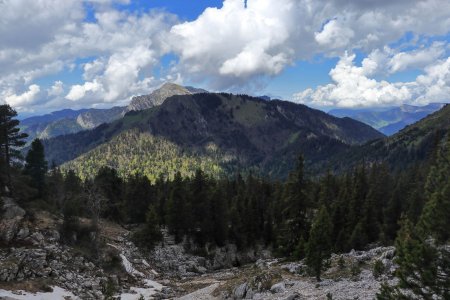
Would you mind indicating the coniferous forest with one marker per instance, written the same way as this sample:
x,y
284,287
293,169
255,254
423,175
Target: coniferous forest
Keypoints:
x,y
303,216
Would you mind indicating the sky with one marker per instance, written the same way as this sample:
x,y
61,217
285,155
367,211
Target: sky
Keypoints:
x,y
323,53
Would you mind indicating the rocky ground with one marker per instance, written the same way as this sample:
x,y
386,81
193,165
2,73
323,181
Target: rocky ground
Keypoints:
x,y
34,264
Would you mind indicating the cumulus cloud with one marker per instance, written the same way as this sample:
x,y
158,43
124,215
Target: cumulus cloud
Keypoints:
x,y
228,48
124,47
236,42
234,45
26,98
57,89
353,87
334,35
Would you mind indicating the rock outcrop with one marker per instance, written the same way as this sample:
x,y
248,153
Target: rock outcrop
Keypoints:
x,y
11,217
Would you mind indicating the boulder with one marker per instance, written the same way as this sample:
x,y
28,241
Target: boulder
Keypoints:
x,y
10,220
240,292
278,288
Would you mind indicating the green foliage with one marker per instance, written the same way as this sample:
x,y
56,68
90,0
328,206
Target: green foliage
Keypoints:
x,y
297,206
150,156
10,140
423,255
150,234
207,131
319,245
378,269
36,165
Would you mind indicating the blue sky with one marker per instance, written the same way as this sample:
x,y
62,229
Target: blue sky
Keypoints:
x,y
347,53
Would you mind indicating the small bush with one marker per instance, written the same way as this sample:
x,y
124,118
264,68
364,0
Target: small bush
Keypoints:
x,y
378,269
341,263
355,270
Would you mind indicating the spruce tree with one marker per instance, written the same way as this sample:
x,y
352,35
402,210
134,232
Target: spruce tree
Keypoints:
x,y
177,209
423,267
10,138
150,234
297,206
318,248
423,253
36,166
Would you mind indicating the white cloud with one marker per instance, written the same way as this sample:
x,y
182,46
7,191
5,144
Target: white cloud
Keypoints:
x,y
419,58
57,89
26,98
78,91
124,46
353,87
334,35
234,45
229,48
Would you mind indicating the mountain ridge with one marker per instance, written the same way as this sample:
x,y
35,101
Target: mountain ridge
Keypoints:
x,y
413,144
389,120
246,129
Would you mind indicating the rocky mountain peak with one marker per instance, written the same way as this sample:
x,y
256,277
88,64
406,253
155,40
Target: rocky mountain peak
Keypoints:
x,y
158,96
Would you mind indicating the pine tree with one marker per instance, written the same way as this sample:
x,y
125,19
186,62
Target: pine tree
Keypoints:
x,y
218,212
358,238
150,234
111,186
423,267
423,254
318,248
36,166
177,210
10,138
296,208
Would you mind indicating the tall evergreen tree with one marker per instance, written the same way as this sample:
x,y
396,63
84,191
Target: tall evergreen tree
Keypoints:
x,y
36,165
150,234
423,254
177,212
296,209
318,248
423,268
10,138
111,185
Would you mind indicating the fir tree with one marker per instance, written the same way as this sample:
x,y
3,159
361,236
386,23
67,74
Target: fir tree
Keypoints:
x,y
318,248
36,166
177,210
10,138
150,234
295,214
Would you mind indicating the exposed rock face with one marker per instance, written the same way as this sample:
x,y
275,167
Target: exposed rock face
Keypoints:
x,y
174,261
10,219
94,117
160,95
34,253
228,256
349,277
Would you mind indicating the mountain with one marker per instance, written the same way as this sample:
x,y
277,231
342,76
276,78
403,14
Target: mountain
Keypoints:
x,y
68,121
94,117
411,145
71,121
37,125
389,120
158,96
227,132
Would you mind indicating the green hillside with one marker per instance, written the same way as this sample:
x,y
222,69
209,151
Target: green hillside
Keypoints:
x,y
247,132
411,145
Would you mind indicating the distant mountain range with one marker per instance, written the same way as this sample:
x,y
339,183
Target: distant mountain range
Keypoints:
x,y
389,120
71,121
221,133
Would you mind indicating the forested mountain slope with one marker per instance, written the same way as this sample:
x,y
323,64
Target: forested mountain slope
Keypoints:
x,y
245,132
413,144
389,120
